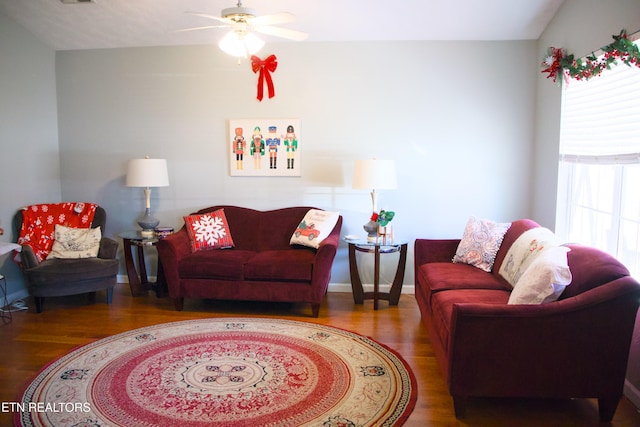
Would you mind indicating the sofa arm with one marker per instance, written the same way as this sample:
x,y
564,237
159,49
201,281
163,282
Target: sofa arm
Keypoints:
x,y
323,263
28,257
577,347
430,250
170,251
108,248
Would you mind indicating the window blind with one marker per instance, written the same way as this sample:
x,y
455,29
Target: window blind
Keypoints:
x,y
601,118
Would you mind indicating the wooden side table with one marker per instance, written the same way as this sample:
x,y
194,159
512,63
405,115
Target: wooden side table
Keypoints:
x,y
377,248
5,248
4,304
138,280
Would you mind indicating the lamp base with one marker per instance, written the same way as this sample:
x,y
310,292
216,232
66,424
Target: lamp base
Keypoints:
x,y
148,223
148,234
372,231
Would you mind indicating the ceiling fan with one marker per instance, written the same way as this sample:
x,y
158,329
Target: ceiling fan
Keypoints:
x,y
244,22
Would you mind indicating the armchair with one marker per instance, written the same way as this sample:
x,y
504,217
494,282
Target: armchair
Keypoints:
x,y
62,277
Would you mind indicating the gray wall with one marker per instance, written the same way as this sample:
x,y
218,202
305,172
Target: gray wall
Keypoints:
x,y
29,154
472,125
459,126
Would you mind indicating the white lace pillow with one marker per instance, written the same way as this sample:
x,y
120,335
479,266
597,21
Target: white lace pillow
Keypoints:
x,y
480,243
545,278
527,247
75,242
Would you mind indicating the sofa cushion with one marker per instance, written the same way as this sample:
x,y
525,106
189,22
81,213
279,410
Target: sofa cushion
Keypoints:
x,y
480,243
440,276
517,228
442,306
545,278
244,225
526,248
70,242
314,228
62,271
227,264
276,227
208,231
261,230
281,265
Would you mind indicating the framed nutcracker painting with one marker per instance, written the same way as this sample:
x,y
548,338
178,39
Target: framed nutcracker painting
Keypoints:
x,y
264,147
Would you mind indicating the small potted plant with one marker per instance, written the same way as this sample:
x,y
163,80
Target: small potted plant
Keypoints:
x,y
383,219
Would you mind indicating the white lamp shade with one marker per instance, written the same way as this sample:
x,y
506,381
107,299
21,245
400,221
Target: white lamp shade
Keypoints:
x,y
147,173
240,43
374,174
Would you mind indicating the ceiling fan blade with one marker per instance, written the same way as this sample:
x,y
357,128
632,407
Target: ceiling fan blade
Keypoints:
x,y
285,33
206,15
274,19
201,28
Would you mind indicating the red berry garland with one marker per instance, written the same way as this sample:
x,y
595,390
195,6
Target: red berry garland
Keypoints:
x,y
557,63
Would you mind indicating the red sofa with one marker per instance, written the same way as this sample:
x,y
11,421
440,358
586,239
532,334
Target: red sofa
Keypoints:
x,y
575,347
262,265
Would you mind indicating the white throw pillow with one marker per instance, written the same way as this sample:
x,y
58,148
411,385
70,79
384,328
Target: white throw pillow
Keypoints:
x,y
524,251
314,228
545,278
75,242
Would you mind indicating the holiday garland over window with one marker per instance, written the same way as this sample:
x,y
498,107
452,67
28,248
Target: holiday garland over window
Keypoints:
x,y
557,63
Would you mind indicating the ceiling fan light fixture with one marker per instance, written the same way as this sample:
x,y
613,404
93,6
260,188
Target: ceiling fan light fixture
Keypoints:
x,y
240,43
239,13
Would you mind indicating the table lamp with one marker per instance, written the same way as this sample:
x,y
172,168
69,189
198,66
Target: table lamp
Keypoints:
x,y
147,173
374,174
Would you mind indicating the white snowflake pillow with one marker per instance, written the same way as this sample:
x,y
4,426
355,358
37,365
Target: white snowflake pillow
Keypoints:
x,y
208,231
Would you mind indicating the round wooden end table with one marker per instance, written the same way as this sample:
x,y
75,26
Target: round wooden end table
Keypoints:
x,y
376,248
138,281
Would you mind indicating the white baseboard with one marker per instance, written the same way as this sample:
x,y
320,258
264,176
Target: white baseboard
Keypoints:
x,y
333,287
632,393
346,287
14,296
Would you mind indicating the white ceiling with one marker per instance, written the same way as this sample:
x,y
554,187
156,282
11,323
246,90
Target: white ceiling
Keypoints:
x,y
128,23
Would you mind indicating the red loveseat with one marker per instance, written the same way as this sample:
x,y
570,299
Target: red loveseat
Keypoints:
x,y
575,347
262,265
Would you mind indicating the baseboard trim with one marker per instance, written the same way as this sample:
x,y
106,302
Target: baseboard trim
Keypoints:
x,y
632,393
333,287
15,296
346,287
122,278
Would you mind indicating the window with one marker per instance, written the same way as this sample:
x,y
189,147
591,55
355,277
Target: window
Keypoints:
x,y
599,169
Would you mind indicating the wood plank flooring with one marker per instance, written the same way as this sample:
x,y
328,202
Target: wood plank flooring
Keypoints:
x,y
31,340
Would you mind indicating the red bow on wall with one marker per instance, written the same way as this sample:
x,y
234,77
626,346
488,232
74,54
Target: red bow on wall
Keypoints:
x,y
265,67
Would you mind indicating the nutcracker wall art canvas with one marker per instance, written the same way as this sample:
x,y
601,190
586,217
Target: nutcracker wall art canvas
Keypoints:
x,y
264,147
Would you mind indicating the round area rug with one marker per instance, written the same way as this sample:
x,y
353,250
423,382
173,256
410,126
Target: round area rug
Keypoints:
x,y
224,372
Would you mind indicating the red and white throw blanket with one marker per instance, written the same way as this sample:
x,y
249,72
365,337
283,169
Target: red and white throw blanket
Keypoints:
x,y
39,223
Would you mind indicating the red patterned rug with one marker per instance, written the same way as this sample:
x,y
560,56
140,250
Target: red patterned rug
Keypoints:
x,y
224,372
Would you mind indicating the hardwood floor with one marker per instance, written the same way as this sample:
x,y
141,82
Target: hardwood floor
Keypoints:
x,y
31,340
